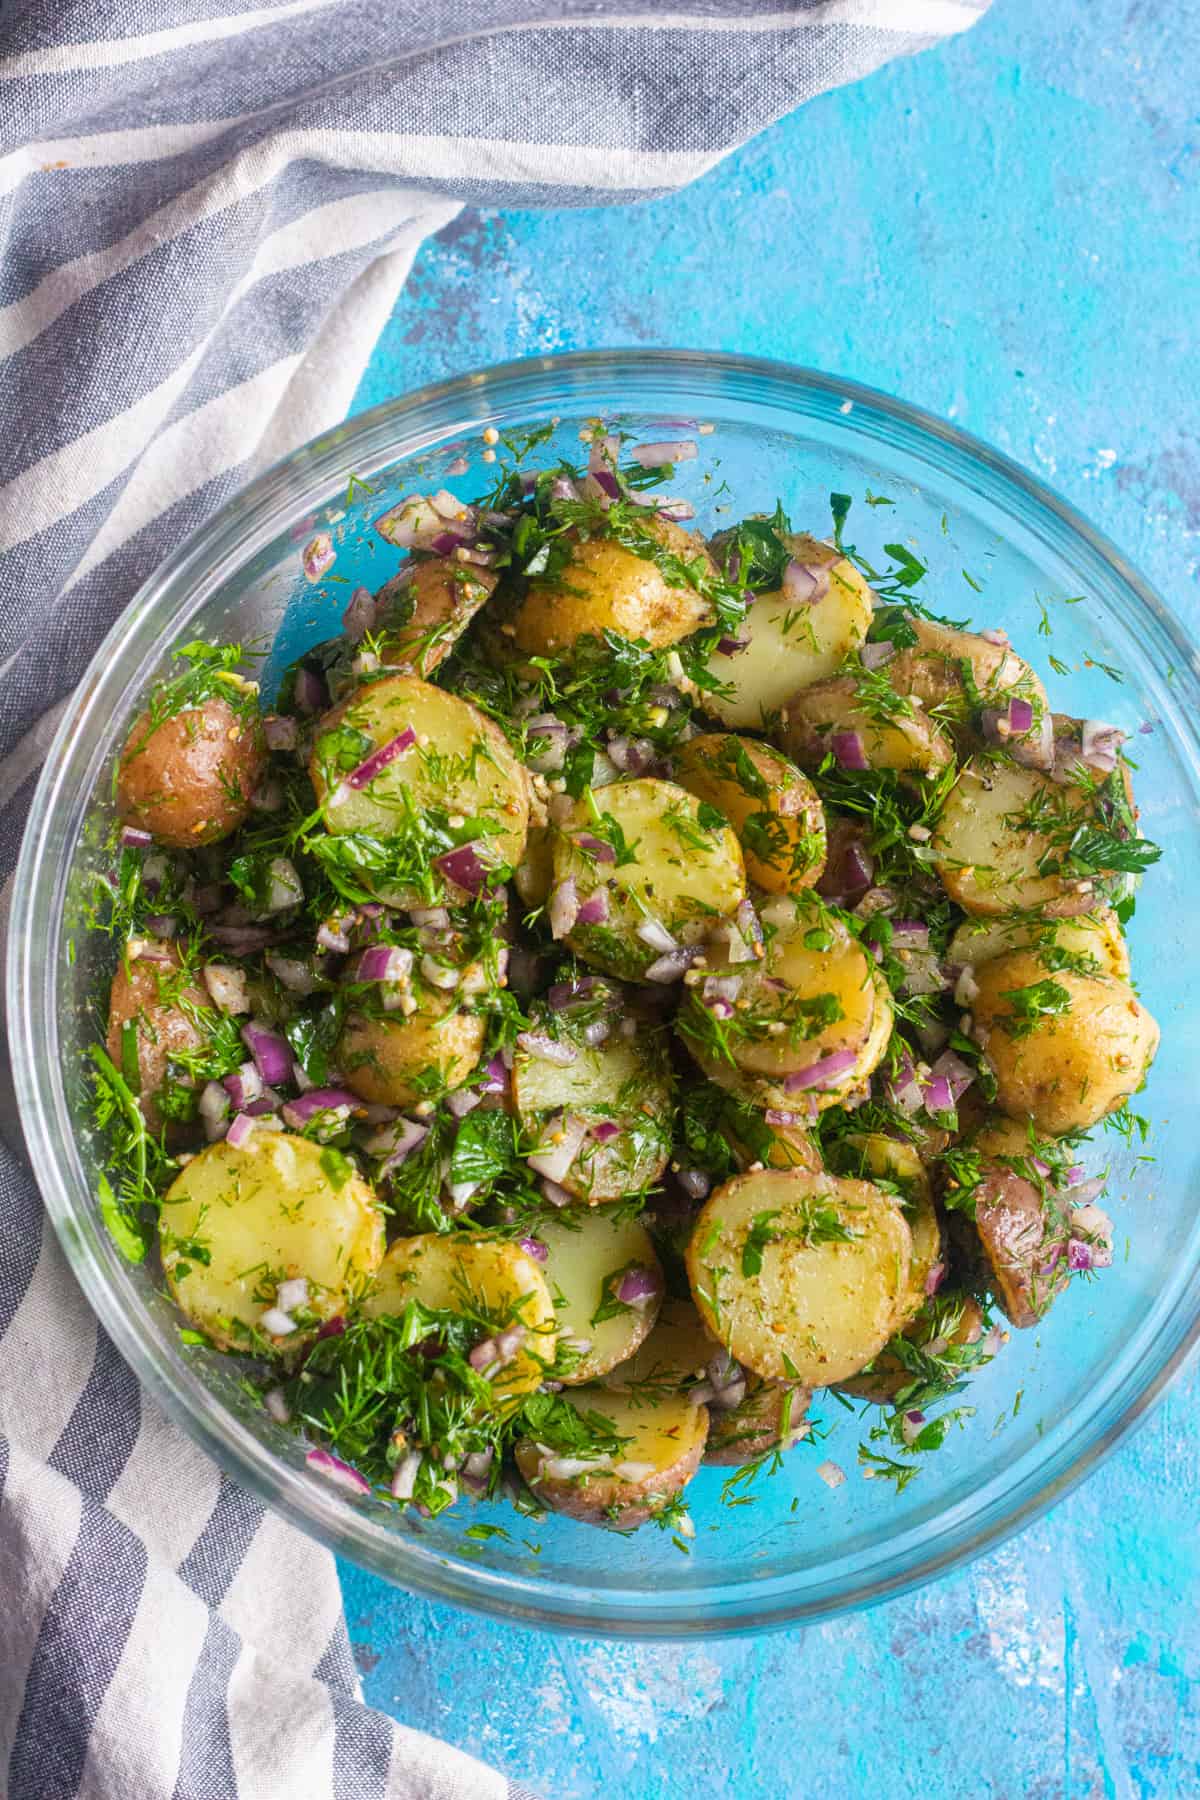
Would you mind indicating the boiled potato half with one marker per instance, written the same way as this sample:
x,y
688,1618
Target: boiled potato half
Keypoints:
x,y
661,864
166,1011
892,1161
588,1253
1093,938
961,673
664,1441
454,764
948,1320
1066,1049
774,809
423,611
807,1023
1000,828
188,779
802,1277
498,1282
837,718
617,587
238,1224
792,640
624,1082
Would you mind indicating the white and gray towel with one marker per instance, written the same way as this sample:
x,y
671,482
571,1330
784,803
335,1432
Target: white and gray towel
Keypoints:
x,y
207,209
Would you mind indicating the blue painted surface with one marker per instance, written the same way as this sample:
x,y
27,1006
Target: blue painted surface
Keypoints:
x,y
1004,231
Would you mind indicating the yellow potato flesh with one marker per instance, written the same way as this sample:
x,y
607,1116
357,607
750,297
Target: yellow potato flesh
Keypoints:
x,y
266,1213
774,809
988,857
583,1257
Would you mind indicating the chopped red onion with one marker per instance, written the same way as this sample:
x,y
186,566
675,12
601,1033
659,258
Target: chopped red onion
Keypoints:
x,y
463,867
673,966
495,1079
334,934
874,656
563,908
1079,1255
721,987
395,1142
207,898
672,450
277,1322
449,506
380,759
214,1111
805,585
323,1462
909,934
534,1247
133,838
541,1045
359,616
1083,1192
244,1086
563,488
995,635
595,847
604,453
229,988
655,935
910,1427
293,1293
601,485
432,918
696,1184
271,1052
822,1073
561,1141
267,797
333,1100
384,962
275,1403
720,1009
675,507
1074,1175
462,1101
555,1194
774,1115
606,1131
935,1277
594,910
318,555
331,1328
938,1096
849,750
1100,744
831,1473
731,646
638,1286
239,1131
292,972
955,1071
404,1479
163,925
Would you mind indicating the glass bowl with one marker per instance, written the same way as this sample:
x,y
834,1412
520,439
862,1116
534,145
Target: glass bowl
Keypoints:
x,y
999,547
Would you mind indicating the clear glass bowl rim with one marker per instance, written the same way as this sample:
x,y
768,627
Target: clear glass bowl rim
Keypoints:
x,y
265,506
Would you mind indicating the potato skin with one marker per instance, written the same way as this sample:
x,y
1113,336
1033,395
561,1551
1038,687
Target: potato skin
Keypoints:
x,y
887,1375
909,741
605,1497
163,1027
382,1058
1024,1239
932,671
741,1433
1068,1071
423,613
781,830
606,587
188,781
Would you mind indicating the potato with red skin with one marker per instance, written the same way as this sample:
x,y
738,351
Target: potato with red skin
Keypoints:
x,y
147,990
188,780
386,1059
883,1380
906,740
1066,1049
774,810
606,587
423,611
1024,1237
665,1437
738,1434
961,673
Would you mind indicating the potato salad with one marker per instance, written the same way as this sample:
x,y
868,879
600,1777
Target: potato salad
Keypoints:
x,y
622,984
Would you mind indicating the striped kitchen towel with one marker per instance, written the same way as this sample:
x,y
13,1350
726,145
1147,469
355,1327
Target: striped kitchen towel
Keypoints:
x,y
207,208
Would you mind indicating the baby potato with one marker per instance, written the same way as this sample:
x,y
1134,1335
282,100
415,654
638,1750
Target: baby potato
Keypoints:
x,y
623,1082
753,1139
792,641
1066,1049
188,780
606,586
388,1058
802,1277
454,763
771,1417
1024,1238
665,1441
675,1356
1000,828
237,1225
658,859
533,876
947,1319
810,1020
167,1012
588,1254
961,673
831,717
1095,936
874,1157
498,1281
423,611
774,809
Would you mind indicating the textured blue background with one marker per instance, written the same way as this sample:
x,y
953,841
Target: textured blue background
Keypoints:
x,y
1004,231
